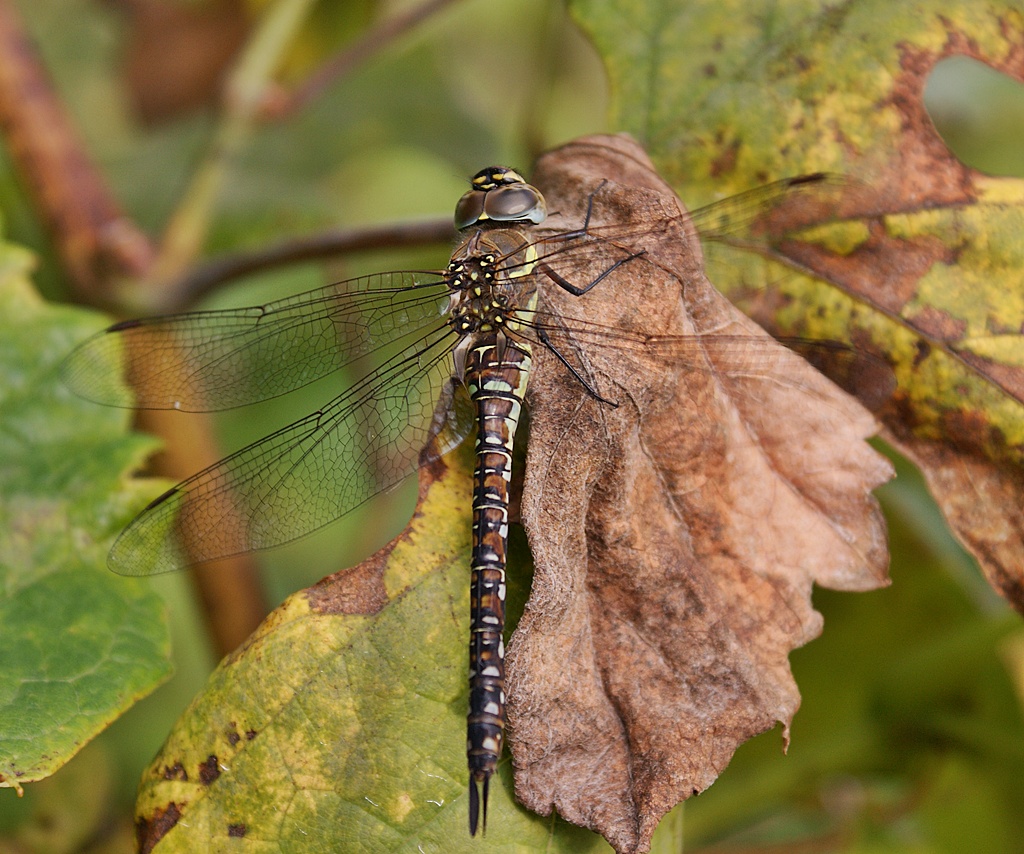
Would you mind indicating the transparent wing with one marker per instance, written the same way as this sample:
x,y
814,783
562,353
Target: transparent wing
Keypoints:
x,y
213,360
745,221
371,436
309,473
739,221
867,376
806,198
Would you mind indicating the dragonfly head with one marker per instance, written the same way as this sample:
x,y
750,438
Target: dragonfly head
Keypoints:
x,y
499,195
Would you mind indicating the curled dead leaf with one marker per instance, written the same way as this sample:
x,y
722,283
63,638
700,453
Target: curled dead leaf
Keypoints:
x,y
677,536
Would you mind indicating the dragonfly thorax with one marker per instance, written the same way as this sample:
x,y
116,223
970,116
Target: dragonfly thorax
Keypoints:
x,y
491,287
473,274
487,314
491,268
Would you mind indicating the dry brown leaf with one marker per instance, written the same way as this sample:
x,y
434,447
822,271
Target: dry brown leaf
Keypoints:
x,y
928,268
677,536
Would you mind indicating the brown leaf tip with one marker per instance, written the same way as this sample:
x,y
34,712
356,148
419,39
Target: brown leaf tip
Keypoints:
x,y
12,782
358,590
149,831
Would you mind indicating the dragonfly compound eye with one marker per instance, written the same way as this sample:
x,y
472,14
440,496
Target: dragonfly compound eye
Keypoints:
x,y
470,209
499,195
515,203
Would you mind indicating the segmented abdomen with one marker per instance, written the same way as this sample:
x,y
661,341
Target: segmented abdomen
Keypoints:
x,y
497,386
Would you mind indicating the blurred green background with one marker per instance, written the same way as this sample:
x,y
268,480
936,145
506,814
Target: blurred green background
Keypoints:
x,y
910,736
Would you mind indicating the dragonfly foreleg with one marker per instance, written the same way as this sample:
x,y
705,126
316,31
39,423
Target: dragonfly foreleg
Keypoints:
x,y
583,229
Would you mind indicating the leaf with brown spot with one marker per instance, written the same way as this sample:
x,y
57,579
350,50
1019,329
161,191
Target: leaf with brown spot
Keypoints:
x,y
922,262
352,697
676,536
151,829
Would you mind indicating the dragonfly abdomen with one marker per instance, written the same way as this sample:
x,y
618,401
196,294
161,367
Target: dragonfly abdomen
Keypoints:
x,y
496,384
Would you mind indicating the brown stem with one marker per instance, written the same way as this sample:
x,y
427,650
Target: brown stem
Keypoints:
x,y
244,91
96,242
283,105
216,272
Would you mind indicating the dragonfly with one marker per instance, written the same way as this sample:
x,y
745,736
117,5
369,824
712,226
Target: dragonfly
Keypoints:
x,y
449,350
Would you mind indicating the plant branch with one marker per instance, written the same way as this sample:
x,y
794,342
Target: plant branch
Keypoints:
x,y
231,595
96,242
244,93
285,104
211,275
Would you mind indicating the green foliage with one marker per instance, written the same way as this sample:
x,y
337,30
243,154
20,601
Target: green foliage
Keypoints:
x,y
79,646
909,735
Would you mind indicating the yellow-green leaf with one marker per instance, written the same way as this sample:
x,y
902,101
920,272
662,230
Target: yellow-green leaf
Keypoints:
x,y
340,725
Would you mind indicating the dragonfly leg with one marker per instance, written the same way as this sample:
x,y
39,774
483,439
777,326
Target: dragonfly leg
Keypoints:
x,y
542,335
582,230
576,290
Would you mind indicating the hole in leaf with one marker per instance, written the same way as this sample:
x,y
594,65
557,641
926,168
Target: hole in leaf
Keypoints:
x,y
979,113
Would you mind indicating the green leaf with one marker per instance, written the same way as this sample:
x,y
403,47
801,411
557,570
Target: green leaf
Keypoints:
x,y
724,100
724,96
340,725
79,645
